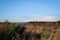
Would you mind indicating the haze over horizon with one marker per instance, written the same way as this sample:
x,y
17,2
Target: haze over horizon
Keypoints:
x,y
29,10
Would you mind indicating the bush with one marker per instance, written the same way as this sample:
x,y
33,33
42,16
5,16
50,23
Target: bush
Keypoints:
x,y
10,31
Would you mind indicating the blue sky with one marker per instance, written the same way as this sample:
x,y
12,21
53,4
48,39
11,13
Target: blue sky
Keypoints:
x,y
29,10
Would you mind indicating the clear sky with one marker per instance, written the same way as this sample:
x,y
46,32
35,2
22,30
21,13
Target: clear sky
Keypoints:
x,y
29,10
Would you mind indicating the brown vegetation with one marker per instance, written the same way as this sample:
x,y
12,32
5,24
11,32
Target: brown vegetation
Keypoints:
x,y
46,30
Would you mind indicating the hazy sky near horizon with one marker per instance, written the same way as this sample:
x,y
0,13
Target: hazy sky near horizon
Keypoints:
x,y
29,10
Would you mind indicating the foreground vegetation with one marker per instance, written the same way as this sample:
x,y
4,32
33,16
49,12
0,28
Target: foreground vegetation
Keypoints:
x,y
13,31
